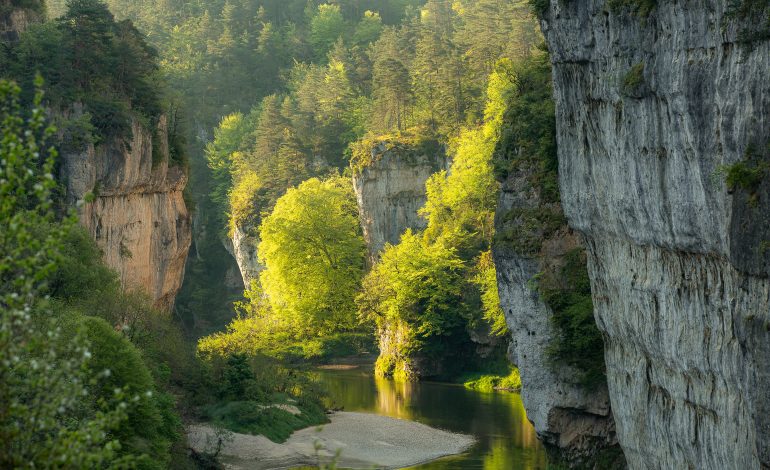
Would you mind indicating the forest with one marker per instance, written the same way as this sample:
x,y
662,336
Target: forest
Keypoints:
x,y
274,105
208,208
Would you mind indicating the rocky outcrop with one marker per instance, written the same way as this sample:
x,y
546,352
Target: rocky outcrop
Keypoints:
x,y
574,421
651,112
390,188
137,213
244,248
16,17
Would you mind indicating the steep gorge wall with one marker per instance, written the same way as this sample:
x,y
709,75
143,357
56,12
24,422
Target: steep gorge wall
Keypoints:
x,y
138,215
648,111
390,189
574,421
243,246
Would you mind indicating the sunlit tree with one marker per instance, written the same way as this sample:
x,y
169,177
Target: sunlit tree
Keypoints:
x,y
313,252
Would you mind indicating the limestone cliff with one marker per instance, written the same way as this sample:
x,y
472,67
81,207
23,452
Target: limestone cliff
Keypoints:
x,y
573,420
243,246
656,109
138,215
389,180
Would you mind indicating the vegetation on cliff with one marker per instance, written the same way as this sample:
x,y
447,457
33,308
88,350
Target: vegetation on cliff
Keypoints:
x,y
528,147
74,390
89,58
313,254
430,291
416,77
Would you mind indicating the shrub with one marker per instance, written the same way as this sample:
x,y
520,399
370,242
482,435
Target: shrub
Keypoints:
x,y
576,341
271,421
633,80
641,8
490,382
540,7
152,424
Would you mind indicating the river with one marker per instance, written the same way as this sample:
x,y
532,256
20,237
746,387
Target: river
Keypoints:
x,y
505,439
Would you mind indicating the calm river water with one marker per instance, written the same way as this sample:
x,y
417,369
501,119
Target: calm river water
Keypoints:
x,y
506,440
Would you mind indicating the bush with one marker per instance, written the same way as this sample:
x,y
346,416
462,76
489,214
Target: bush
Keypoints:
x,y
576,341
491,383
415,295
313,252
529,128
152,424
271,421
633,81
641,8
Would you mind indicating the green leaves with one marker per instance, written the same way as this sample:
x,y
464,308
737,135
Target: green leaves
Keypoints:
x,y
326,26
313,252
418,285
43,380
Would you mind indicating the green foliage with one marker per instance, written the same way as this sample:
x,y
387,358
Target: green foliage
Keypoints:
x,y
527,148
486,280
152,424
275,423
461,202
42,378
540,7
490,383
313,252
326,27
747,175
528,134
255,395
525,229
303,307
633,80
577,342
254,332
88,57
244,198
409,145
754,18
415,292
742,175
460,211
368,29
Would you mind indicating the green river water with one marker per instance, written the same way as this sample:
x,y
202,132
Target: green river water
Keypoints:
x,y
505,438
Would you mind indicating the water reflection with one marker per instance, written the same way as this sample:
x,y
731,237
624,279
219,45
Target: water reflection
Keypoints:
x,y
506,439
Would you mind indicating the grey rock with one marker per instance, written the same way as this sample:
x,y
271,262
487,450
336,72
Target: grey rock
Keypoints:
x,y
390,192
243,246
574,423
679,277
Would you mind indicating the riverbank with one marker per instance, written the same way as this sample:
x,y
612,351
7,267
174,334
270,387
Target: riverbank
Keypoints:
x,y
358,440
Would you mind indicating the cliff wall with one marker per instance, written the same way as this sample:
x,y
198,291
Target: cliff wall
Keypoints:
x,y
572,419
663,121
137,213
390,189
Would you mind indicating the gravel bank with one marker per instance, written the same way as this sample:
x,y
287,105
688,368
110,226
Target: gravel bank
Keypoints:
x,y
363,441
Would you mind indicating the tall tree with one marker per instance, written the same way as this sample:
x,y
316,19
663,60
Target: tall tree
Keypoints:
x,y
314,256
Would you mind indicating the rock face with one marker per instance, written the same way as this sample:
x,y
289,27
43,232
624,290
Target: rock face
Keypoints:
x,y
573,421
390,190
138,216
679,264
15,19
244,247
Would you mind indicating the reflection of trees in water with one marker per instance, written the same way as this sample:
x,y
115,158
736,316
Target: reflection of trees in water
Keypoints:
x,y
394,398
506,437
